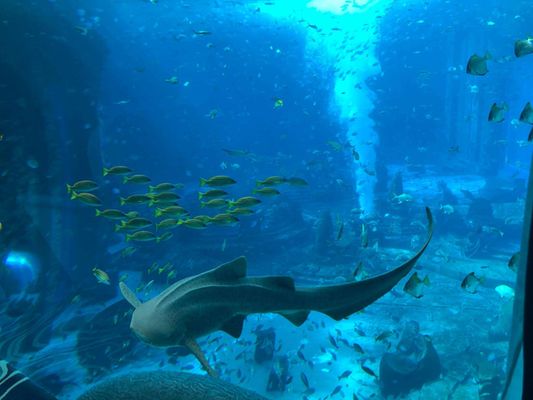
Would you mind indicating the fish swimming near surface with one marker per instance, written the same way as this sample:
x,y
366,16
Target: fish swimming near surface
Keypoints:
x,y
139,179
236,152
141,236
86,198
171,211
218,180
402,198
471,282
117,170
478,65
214,203
241,211
135,199
213,193
222,298
224,219
101,276
337,389
266,191
514,261
165,187
497,112
247,201
345,374
201,32
163,198
295,181
271,181
173,80
111,214
523,47
369,371
193,223
304,379
414,286
527,114
82,186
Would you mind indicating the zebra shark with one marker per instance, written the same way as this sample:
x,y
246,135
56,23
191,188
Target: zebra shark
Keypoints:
x,y
222,298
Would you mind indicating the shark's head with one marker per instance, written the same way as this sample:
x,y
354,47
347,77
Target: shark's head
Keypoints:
x,y
150,324
154,328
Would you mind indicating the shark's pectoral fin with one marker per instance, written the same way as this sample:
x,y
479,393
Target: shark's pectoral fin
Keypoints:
x,y
198,353
232,270
129,295
233,326
297,318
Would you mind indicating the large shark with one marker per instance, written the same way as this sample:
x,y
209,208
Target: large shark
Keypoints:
x,y
221,298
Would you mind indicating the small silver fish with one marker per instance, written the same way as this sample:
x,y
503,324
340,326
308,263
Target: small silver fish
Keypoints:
x,y
471,283
513,261
497,112
478,65
414,285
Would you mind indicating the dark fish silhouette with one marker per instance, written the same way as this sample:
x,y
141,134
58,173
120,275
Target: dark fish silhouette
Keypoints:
x,y
527,114
523,47
478,65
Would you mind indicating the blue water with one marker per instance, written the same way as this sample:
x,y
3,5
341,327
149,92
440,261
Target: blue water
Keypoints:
x,y
365,101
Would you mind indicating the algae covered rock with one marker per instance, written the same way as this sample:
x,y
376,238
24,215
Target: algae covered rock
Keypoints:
x,y
166,385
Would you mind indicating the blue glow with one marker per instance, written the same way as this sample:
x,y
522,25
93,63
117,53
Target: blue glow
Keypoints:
x,y
18,260
24,268
356,25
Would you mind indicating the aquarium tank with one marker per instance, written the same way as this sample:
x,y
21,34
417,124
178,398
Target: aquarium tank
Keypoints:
x,y
277,199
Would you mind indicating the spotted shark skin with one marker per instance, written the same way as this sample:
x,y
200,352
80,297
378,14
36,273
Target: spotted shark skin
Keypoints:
x,y
221,298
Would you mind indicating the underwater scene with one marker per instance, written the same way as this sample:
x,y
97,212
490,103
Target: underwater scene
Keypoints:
x,y
286,199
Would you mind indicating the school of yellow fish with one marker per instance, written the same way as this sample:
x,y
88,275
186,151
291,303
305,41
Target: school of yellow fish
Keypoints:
x,y
167,213
165,199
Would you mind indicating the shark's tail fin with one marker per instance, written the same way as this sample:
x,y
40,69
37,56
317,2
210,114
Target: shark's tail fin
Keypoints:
x,y
358,295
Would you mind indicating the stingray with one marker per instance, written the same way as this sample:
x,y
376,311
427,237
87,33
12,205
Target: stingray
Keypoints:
x,y
221,298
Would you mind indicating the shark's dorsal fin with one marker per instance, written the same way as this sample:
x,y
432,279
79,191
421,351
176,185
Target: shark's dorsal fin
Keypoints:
x,y
232,270
229,272
233,327
129,295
